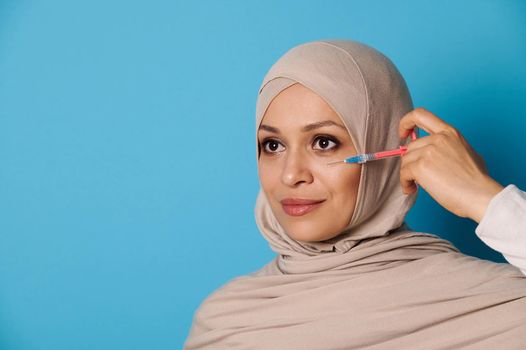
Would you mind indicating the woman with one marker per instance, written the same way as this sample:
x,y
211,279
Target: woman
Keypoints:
x,y
349,273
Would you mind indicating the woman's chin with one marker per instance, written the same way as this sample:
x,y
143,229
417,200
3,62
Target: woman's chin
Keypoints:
x,y
308,233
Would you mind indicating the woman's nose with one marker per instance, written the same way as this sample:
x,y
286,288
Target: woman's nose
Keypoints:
x,y
296,170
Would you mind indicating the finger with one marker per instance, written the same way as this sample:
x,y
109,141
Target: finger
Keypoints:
x,y
440,139
407,181
412,156
422,119
419,143
407,172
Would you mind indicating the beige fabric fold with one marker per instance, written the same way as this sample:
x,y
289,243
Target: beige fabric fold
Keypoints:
x,y
378,284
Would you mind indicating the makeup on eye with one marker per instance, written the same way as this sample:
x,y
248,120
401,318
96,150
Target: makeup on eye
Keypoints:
x,y
329,139
325,143
270,141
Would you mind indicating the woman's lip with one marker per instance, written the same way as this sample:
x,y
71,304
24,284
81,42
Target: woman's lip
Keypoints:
x,y
300,201
299,207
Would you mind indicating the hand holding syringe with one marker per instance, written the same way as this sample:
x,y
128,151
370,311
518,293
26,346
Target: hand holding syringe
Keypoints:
x,y
366,157
443,164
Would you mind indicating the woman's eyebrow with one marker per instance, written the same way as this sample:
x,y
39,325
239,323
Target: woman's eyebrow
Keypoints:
x,y
306,128
317,125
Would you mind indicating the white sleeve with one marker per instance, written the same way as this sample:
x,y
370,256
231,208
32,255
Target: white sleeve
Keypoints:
x,y
503,226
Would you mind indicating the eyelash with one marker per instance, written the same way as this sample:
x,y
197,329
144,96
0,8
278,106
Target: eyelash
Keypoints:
x,y
317,138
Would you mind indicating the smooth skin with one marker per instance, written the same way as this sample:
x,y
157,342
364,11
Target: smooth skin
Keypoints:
x,y
299,134
446,166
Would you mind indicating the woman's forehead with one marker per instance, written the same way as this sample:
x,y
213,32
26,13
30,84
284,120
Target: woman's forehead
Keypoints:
x,y
299,106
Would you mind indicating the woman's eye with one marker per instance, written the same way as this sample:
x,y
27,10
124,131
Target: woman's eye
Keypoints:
x,y
272,146
325,143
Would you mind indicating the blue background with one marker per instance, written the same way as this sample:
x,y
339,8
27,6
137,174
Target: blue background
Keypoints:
x,y
128,175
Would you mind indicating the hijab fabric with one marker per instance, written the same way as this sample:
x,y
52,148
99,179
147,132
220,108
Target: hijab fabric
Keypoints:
x,y
378,284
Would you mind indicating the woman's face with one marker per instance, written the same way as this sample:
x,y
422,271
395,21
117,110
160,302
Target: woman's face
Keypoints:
x,y
299,134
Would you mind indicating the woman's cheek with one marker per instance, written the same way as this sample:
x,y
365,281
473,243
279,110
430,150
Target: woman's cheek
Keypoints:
x,y
343,182
267,173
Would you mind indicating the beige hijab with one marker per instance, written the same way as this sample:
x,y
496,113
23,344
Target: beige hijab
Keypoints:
x,y
377,285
